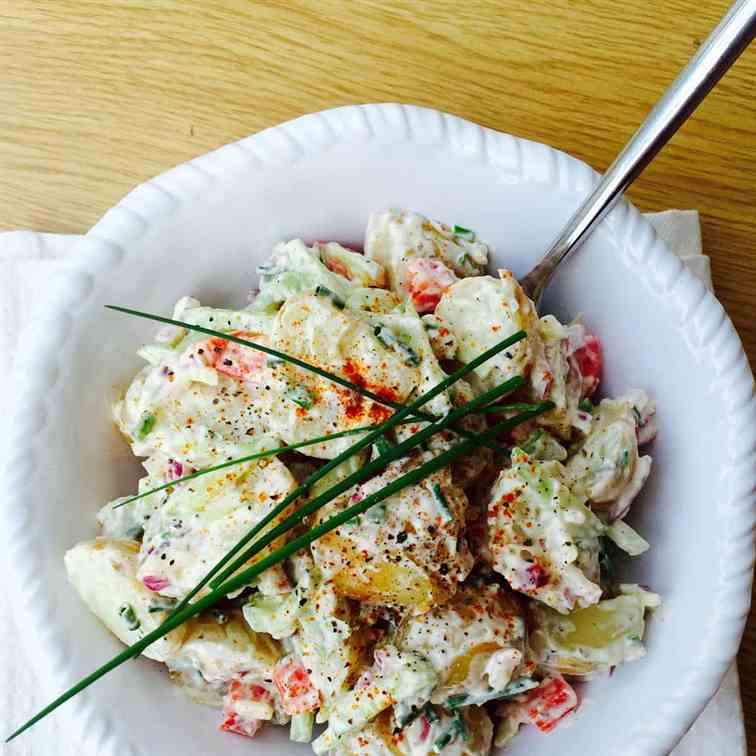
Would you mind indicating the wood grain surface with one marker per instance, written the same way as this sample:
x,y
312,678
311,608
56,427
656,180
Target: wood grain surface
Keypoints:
x,y
99,96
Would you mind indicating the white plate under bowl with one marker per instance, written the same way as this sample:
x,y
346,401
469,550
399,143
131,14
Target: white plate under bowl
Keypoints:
x,y
201,229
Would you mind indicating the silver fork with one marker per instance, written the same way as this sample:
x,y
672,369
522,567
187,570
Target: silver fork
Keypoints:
x,y
715,56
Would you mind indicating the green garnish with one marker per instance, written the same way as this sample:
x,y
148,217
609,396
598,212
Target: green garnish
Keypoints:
x,y
458,728
364,472
249,458
324,291
135,533
463,233
245,576
511,690
514,407
241,580
387,337
415,712
638,417
129,617
442,503
530,444
586,405
625,458
300,396
145,427
382,444
164,605
396,419
324,373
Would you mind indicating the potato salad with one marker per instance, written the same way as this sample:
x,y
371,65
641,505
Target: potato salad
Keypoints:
x,y
460,608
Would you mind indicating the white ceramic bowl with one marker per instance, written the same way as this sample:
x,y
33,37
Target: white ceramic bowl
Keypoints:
x,y
202,227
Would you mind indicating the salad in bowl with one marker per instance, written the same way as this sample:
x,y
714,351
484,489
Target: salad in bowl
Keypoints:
x,y
475,587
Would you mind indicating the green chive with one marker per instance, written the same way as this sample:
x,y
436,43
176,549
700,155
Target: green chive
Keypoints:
x,y
164,605
248,458
443,504
145,427
463,233
300,396
129,617
324,291
242,578
280,555
511,690
395,452
586,405
312,368
387,337
514,407
364,442
382,444
135,533
375,466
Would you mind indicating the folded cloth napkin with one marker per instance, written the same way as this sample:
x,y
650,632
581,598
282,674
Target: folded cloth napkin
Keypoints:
x,y
26,260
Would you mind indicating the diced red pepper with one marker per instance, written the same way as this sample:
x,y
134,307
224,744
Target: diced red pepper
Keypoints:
x,y
550,702
426,281
240,362
239,690
589,361
293,682
246,727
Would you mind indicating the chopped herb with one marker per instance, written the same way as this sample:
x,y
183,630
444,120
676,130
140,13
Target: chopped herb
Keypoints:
x,y
324,291
634,638
415,711
606,562
443,504
638,417
586,405
129,617
458,728
463,233
529,447
454,702
431,714
164,605
462,258
625,458
511,690
145,427
134,533
389,339
383,445
300,396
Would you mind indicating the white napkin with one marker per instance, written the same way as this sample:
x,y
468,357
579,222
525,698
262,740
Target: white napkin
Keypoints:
x,y
26,261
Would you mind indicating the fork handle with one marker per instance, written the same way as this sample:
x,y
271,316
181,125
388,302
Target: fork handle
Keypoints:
x,y
715,56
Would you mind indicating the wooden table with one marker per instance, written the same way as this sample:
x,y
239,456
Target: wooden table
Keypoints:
x,y
99,96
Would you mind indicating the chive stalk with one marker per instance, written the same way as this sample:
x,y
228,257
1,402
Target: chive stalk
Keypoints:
x,y
243,578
